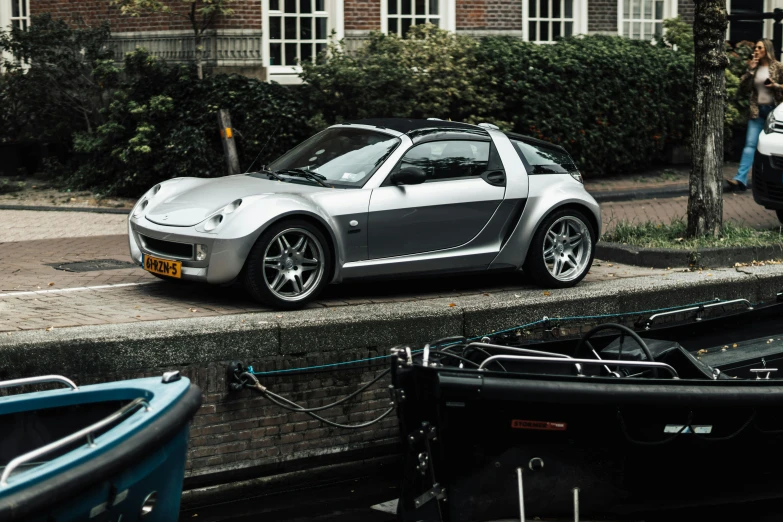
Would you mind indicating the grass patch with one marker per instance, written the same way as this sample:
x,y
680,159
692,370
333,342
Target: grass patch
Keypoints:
x,y
657,235
7,187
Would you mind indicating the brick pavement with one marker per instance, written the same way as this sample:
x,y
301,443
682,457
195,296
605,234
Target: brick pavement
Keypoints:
x,y
27,225
737,207
25,267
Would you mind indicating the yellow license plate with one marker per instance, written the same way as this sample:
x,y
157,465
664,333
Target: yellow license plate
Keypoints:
x,y
162,266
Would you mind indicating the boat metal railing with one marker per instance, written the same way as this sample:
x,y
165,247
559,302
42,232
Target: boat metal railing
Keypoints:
x,y
592,362
697,309
41,379
86,433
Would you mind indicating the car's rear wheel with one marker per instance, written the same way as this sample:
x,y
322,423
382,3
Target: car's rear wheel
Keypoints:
x,y
562,250
779,212
289,265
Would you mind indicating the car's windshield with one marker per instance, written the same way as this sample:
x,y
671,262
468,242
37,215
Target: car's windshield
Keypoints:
x,y
346,157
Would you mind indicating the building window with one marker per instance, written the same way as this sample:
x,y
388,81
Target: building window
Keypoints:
x,y
550,19
397,16
544,21
643,19
402,14
20,14
298,30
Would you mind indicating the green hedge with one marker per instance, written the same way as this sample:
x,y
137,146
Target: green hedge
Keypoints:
x,y
612,102
162,123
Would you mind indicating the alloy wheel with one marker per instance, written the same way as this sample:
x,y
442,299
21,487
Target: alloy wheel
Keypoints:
x,y
567,248
293,264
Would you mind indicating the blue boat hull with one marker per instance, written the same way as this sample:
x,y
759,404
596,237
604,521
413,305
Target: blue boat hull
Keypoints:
x,y
136,466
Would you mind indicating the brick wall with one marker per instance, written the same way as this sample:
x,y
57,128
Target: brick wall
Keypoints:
x,y
504,14
686,9
247,15
362,15
245,430
472,14
232,432
602,16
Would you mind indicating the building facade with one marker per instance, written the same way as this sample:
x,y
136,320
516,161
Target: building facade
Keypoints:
x,y
268,38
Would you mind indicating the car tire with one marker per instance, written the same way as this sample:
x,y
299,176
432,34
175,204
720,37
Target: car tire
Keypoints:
x,y
554,259
289,265
779,212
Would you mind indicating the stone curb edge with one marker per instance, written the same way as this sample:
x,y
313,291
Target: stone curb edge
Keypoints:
x,y
718,257
349,332
606,196
95,210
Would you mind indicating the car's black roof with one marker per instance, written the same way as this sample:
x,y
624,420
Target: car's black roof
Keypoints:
x,y
406,125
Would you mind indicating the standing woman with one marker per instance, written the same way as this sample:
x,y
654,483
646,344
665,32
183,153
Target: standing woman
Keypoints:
x,y
763,79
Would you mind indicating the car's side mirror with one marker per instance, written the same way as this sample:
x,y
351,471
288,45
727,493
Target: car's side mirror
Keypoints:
x,y
409,176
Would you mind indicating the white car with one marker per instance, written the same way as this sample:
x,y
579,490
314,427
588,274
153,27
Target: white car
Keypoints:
x,y
768,164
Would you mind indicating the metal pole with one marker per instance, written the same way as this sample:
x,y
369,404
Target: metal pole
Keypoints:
x,y
521,496
576,504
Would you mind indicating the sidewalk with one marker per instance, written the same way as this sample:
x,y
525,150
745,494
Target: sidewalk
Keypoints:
x,y
37,292
662,182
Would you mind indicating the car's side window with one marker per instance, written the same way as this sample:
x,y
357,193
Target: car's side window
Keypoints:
x,y
544,160
452,159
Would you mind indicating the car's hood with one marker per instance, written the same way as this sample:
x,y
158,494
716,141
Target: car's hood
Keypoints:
x,y
192,200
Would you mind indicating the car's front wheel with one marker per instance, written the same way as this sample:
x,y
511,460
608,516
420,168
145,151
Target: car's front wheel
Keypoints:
x,y
289,265
779,212
562,250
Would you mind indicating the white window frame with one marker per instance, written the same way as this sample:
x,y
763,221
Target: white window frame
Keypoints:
x,y
7,19
579,18
287,74
447,15
669,11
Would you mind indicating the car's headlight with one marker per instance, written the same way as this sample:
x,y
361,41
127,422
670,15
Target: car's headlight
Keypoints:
x,y
577,176
769,123
217,217
144,201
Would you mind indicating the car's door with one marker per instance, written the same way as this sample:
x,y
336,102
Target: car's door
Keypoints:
x,y
464,186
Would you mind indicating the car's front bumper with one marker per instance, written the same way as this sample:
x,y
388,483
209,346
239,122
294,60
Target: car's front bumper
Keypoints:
x,y
225,257
768,180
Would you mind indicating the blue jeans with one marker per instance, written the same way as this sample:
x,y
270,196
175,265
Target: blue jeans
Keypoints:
x,y
755,126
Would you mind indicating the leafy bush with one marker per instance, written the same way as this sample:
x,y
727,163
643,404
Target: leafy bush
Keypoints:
x,y
612,102
162,123
54,85
429,74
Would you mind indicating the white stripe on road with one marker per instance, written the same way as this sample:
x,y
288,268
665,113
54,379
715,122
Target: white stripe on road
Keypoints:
x,y
77,289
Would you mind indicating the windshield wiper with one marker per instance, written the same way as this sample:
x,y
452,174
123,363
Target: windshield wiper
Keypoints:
x,y
302,173
268,173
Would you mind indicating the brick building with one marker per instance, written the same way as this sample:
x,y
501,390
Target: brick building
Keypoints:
x,y
265,38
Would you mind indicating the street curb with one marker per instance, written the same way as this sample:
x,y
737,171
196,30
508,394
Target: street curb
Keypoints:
x,y
718,257
95,210
606,196
148,346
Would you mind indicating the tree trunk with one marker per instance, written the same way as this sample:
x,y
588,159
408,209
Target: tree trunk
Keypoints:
x,y
199,54
705,200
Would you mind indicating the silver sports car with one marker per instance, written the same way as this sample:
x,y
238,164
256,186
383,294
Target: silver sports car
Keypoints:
x,y
375,197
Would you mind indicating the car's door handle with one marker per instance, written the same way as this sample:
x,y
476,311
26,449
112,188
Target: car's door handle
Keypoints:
x,y
495,177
